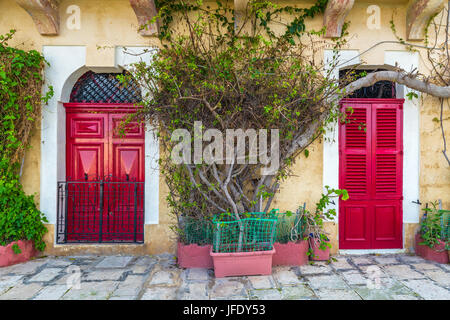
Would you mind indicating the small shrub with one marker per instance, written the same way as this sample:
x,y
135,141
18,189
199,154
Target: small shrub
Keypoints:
x,y
19,217
431,228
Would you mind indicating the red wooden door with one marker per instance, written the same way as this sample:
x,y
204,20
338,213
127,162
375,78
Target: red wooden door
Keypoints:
x,y
104,164
371,157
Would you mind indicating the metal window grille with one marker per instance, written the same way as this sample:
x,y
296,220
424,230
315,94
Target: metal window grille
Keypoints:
x,y
104,88
102,211
380,90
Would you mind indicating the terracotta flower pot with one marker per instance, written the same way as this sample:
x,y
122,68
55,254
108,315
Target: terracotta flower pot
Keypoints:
x,y
291,253
194,256
242,263
8,257
318,254
437,253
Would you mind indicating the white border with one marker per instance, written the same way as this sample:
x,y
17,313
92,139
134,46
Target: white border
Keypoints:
x,y
331,137
411,136
67,64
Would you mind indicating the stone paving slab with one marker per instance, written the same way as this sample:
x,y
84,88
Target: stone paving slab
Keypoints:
x,y
327,282
195,291
160,294
300,292
21,292
114,262
265,294
337,294
92,291
262,282
53,292
45,275
350,277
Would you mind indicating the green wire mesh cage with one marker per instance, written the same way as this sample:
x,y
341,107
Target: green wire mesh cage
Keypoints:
x,y
445,225
196,230
290,226
254,231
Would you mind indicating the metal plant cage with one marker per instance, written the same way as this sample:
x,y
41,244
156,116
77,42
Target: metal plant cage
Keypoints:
x,y
254,231
290,226
196,230
445,225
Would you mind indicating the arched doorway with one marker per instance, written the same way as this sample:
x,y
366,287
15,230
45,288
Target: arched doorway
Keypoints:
x,y
103,195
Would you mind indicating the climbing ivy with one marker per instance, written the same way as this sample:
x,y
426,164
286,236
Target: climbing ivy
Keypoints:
x,y
21,83
262,12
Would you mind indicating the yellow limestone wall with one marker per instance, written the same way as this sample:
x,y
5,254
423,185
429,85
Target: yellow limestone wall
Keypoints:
x,y
109,23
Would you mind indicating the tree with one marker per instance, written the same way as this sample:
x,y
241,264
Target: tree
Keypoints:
x,y
245,78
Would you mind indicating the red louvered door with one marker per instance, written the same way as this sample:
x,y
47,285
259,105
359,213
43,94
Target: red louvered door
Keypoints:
x,y
371,157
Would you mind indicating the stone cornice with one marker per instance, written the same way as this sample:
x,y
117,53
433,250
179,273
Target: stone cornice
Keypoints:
x,y
419,14
145,11
334,16
45,14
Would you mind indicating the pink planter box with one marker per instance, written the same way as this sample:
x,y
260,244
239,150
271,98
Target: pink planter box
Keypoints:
x,y
291,253
319,255
242,263
437,253
194,256
8,257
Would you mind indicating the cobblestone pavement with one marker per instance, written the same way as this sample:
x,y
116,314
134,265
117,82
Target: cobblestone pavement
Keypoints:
x,y
369,277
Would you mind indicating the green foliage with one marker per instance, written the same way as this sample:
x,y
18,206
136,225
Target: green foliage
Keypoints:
x,y
261,13
291,227
20,106
16,249
314,221
412,95
198,230
431,226
19,217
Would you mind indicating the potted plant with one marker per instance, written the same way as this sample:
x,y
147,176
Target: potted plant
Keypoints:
x,y
21,223
243,244
194,242
430,243
319,242
291,248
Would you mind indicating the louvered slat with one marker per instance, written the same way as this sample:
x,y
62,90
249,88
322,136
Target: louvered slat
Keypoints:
x,y
356,152
386,149
356,178
386,128
385,173
354,130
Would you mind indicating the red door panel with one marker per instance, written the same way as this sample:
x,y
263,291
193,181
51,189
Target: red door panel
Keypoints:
x,y
128,161
88,161
86,126
387,224
354,227
371,157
